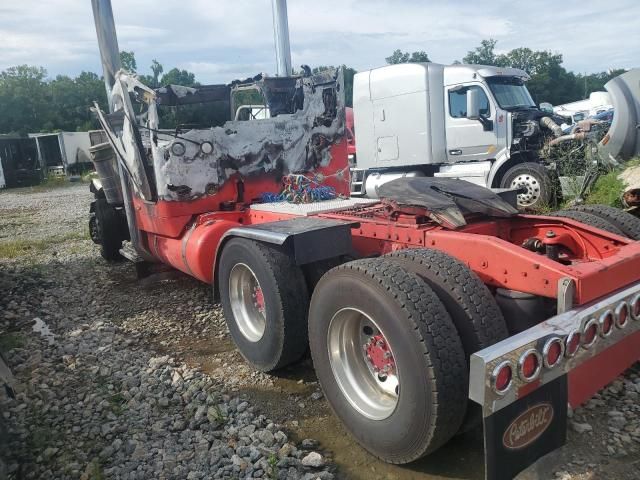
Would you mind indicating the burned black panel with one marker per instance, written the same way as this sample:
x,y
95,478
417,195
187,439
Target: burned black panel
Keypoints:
x,y
198,161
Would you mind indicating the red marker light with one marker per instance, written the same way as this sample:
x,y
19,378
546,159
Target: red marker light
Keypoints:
x,y
552,353
501,377
622,315
529,365
606,323
572,343
590,333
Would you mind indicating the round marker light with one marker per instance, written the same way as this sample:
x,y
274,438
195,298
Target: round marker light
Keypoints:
x,y
590,333
606,323
178,149
572,343
552,352
529,365
501,377
206,147
622,315
635,307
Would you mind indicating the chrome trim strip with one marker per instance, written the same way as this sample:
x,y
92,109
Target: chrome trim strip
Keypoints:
x,y
185,242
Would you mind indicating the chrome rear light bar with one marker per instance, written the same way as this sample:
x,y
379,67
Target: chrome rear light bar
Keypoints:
x,y
581,333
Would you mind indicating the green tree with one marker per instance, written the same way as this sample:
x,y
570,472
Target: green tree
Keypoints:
x,y
482,55
24,99
595,82
398,56
550,81
176,76
128,61
157,70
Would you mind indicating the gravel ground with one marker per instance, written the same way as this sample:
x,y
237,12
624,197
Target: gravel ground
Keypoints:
x,y
120,378
94,400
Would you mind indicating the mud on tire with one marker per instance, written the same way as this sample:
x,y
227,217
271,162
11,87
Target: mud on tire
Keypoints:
x,y
432,376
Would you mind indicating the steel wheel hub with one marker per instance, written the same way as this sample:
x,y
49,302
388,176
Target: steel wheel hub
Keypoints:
x,y
363,364
530,184
247,302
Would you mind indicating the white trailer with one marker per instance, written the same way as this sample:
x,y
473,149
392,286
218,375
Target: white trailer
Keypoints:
x,y
63,153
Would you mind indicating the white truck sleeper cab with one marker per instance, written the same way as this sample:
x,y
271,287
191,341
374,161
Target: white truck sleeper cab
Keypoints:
x,y
470,122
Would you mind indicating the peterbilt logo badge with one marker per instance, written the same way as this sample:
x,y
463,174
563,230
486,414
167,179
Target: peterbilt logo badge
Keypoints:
x,y
528,426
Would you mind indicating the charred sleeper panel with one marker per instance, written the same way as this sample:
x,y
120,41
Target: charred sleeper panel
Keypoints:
x,y
189,166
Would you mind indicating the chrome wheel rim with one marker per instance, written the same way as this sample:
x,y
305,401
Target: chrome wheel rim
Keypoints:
x,y
532,186
363,363
247,302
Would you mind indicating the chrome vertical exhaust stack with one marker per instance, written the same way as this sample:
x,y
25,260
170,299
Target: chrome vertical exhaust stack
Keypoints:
x,y
281,37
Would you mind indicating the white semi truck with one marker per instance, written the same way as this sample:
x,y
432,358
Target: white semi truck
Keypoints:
x,y
473,122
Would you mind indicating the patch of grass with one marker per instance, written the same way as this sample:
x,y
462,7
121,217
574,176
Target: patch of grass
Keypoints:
x,y
9,341
94,470
607,190
219,416
18,248
272,470
117,403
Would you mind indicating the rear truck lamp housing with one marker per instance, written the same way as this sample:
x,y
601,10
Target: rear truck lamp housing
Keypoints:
x,y
529,365
606,323
206,147
178,149
635,307
553,352
501,377
590,333
570,338
622,314
572,343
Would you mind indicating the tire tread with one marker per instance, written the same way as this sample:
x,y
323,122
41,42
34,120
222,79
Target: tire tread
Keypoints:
x,y
440,344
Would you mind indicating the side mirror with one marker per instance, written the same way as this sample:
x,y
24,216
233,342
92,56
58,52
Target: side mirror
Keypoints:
x,y
473,104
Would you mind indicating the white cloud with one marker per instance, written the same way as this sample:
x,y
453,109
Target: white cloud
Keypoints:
x,y
228,39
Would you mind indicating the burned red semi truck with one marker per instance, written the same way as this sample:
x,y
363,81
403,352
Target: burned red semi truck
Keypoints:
x,y
428,312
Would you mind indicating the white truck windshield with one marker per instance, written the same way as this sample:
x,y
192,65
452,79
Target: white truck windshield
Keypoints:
x,y
510,93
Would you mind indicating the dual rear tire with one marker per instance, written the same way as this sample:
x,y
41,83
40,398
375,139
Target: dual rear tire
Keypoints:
x,y
390,337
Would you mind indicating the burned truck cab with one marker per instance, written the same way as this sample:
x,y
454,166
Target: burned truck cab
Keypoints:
x,y
166,175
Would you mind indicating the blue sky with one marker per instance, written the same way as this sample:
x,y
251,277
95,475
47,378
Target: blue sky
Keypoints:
x,y
220,40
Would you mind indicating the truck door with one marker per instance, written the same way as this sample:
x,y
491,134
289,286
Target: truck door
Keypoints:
x,y
469,140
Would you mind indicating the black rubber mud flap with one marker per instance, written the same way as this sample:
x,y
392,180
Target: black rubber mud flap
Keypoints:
x,y
524,431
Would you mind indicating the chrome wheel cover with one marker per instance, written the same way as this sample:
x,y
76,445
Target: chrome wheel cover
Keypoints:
x,y
247,302
371,387
532,186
